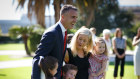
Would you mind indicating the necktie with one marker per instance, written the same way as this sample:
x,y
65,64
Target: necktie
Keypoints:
x,y
65,39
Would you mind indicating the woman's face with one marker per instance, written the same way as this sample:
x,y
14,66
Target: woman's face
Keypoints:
x,y
82,41
119,33
54,71
107,36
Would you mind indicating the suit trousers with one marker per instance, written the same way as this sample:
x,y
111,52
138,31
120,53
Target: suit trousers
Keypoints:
x,y
121,62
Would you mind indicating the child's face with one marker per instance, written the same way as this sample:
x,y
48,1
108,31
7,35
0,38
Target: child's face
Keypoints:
x,y
82,41
54,71
71,74
100,48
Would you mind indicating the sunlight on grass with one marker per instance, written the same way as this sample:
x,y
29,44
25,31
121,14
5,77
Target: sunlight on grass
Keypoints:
x,y
16,73
25,73
128,72
12,46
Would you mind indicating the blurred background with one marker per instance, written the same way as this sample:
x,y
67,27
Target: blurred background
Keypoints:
x,y
22,23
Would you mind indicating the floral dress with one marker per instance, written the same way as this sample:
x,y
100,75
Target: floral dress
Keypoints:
x,y
96,62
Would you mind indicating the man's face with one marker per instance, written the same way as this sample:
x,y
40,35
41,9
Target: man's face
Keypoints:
x,y
69,19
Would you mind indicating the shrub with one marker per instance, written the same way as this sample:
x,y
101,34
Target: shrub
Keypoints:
x,y
36,32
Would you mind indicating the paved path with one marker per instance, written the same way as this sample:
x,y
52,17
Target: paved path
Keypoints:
x,y
15,63
12,52
28,62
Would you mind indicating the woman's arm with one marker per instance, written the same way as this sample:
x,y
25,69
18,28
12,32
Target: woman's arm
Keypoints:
x,y
135,42
122,56
102,70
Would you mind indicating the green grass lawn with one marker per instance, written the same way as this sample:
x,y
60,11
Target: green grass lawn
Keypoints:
x,y
16,73
12,46
12,57
128,71
128,74
25,73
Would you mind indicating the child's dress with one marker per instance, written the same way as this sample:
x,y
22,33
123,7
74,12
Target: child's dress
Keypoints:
x,y
96,64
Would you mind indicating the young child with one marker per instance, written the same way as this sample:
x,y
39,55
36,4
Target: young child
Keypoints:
x,y
69,71
49,67
98,59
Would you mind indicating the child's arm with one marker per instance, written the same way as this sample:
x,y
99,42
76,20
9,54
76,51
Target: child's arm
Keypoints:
x,y
102,70
66,58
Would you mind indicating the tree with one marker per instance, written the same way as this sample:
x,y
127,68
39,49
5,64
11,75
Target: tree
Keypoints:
x,y
37,7
86,8
27,32
15,31
108,15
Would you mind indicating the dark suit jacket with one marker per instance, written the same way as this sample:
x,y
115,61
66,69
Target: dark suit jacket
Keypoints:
x,y
51,44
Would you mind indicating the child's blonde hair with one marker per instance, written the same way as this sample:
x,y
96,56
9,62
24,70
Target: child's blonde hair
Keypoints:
x,y
89,45
101,40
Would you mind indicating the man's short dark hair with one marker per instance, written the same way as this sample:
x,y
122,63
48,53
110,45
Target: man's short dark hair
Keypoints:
x,y
66,8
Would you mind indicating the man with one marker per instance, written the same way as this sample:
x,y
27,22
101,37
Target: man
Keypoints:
x,y
52,42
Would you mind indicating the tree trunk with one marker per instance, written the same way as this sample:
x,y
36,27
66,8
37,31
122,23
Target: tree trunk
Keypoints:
x,y
25,37
57,9
90,18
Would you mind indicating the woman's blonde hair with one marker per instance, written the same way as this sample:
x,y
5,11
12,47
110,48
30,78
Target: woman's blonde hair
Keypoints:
x,y
101,40
89,45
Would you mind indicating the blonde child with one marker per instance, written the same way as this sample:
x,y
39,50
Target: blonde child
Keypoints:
x,y
69,71
49,66
98,59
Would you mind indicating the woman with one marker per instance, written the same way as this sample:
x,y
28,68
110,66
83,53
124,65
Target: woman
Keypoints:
x,y
136,42
106,37
119,47
78,54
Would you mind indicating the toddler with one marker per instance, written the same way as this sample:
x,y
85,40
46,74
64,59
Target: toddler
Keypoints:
x,y
98,59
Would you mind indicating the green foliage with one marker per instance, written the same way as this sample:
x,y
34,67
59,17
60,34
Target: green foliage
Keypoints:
x,y
33,41
132,31
129,44
108,15
36,32
7,39
31,34
14,31
71,31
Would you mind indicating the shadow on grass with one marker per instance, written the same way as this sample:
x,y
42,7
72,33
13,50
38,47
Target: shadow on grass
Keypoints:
x,y
2,75
126,63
